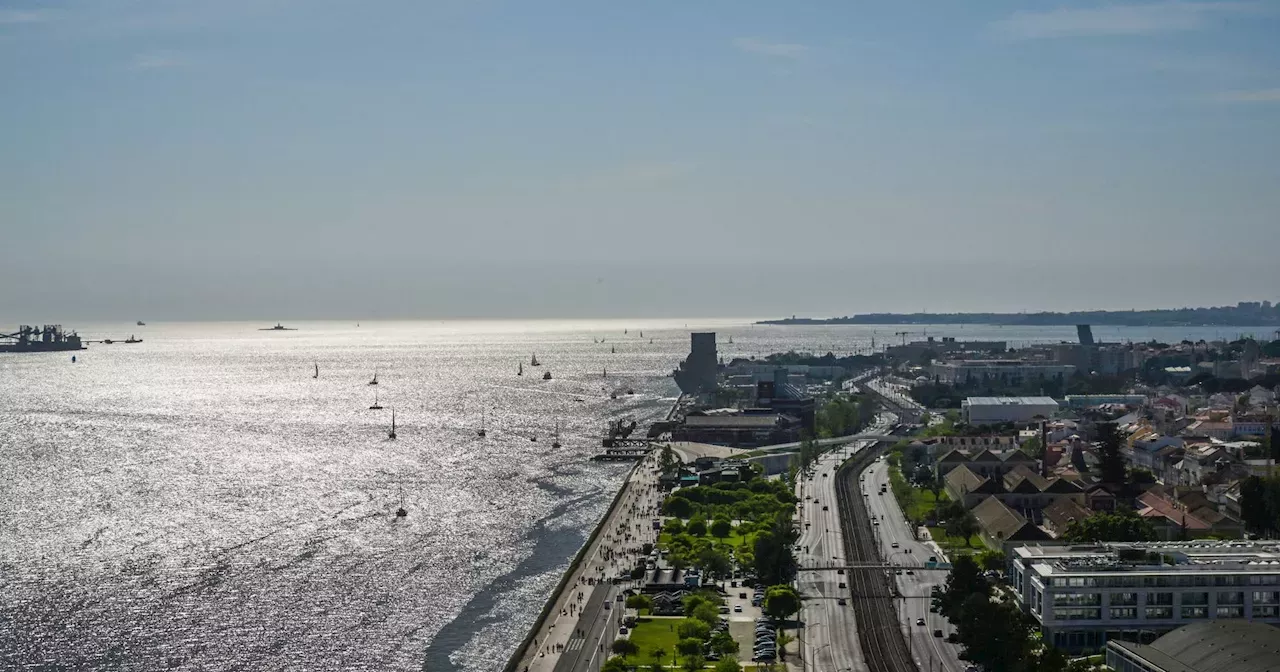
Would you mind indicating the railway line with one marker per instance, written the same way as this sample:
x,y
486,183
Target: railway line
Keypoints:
x,y
883,645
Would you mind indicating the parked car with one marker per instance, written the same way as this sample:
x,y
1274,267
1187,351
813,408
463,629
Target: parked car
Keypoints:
x,y
737,608
842,602
893,545
937,633
919,621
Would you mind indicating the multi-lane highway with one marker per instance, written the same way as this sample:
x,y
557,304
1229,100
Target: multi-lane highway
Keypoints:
x,y
830,639
929,652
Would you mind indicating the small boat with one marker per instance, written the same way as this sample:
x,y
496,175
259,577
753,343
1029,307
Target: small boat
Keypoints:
x,y
546,376
401,512
605,374
107,341
376,406
375,378
73,359
520,369
624,331
317,375
556,442
481,432
533,438
278,327
642,334
613,350
651,341
533,361
133,339
730,340
613,395
392,434
630,391
141,323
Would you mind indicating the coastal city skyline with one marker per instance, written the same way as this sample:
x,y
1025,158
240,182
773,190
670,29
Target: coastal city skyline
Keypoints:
x,y
189,160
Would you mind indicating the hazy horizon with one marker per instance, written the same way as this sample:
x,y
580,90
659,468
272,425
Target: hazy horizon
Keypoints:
x,y
487,159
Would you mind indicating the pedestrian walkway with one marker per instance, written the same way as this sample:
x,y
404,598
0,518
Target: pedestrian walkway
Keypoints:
x,y
571,626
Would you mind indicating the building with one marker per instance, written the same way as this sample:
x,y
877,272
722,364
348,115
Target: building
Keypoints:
x,y
1213,646
697,373
1184,519
1001,371
744,430
941,445
1088,400
1083,596
1020,489
987,463
941,346
996,410
1250,424
780,397
1001,525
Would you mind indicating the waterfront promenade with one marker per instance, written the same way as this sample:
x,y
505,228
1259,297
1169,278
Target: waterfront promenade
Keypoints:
x,y
575,634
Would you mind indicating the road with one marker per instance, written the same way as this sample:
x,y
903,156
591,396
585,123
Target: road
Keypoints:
x,y
929,652
896,397
830,638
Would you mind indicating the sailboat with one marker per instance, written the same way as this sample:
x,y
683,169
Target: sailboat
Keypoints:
x,y
731,339
317,374
376,406
546,376
520,369
392,433
533,361
556,442
401,512
651,341
375,378
641,334
613,350
481,432
605,374
624,331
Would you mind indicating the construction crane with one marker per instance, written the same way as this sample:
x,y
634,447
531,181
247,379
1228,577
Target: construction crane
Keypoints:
x,y
904,335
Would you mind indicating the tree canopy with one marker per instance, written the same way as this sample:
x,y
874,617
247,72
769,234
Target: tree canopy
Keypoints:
x,y
781,601
1123,525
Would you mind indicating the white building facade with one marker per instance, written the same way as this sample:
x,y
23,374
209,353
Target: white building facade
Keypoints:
x,y
1082,596
994,410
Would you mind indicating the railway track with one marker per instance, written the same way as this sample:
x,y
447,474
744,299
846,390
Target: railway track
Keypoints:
x,y
880,637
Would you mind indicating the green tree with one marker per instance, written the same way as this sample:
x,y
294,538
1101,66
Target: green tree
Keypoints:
x,y
721,528
639,601
1110,460
668,461
714,562
697,526
964,526
678,506
674,526
728,665
781,601
694,662
992,560
1051,659
615,664
692,628
624,647
1260,504
708,614
724,644
995,635
1123,525
657,655
689,646
774,561
1033,447
964,579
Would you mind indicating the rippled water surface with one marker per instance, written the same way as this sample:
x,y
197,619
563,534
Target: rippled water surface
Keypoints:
x,y
200,501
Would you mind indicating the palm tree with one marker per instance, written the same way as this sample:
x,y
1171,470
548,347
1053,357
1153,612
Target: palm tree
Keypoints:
x,y
658,655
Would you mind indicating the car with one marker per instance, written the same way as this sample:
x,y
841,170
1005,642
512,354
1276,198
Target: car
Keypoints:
x,y
937,633
815,500
764,631
910,573
824,508
933,609
908,550
765,645
725,610
622,630
882,492
893,545
898,572
742,596
841,601
824,474
876,523
842,584
840,571
919,621
737,608
762,657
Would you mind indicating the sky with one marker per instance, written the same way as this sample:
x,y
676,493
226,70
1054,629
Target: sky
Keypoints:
x,y
274,159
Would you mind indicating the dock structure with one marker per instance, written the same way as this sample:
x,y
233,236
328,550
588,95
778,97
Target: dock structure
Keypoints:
x,y
622,454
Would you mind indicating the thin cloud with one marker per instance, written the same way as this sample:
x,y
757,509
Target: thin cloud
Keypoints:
x,y
1255,96
1115,20
16,16
155,61
756,45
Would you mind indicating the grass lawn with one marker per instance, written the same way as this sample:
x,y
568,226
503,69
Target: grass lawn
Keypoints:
x,y
656,633
920,502
734,539
954,545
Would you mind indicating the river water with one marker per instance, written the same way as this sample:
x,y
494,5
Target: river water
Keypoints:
x,y
200,501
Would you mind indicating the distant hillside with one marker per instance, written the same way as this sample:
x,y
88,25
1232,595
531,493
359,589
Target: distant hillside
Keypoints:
x,y
1250,314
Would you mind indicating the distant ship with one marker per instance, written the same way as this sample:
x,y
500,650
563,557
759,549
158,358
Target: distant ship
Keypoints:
x,y
533,361
481,432
375,378
556,442
546,376
392,433
141,323
278,327
132,339
376,406
520,369
48,338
